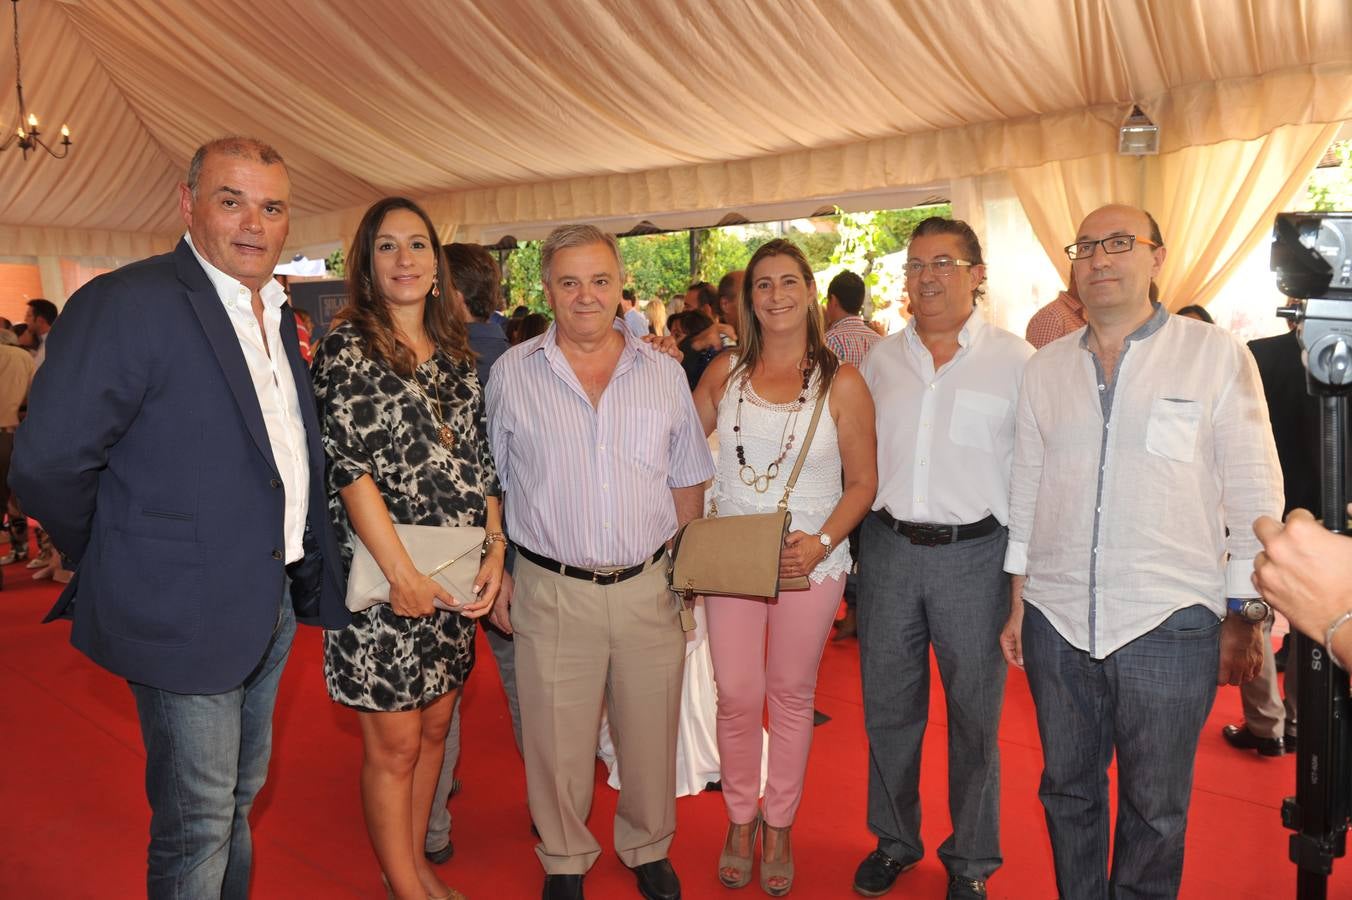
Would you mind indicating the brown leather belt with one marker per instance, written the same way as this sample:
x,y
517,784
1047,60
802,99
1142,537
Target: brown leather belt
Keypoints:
x,y
596,576
924,534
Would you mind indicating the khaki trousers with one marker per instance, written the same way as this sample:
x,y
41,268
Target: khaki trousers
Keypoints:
x,y
1268,712
579,645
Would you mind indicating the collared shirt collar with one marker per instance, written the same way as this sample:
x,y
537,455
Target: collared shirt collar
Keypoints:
x,y
966,335
846,322
1157,320
231,291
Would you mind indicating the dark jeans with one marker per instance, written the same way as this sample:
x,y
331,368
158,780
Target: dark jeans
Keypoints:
x,y
206,759
1148,701
956,599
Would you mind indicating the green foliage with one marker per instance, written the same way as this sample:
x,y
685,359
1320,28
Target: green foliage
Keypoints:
x,y
658,265
721,252
523,278
893,227
1330,189
817,246
336,263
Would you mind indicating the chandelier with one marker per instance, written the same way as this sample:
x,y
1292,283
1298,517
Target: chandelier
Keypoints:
x,y
27,135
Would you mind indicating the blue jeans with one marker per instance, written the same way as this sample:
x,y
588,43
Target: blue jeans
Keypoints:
x,y
206,759
1148,701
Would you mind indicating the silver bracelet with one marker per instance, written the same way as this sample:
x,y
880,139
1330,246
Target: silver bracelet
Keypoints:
x,y
1328,637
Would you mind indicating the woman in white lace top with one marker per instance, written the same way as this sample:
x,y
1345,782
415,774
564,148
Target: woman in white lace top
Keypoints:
x,y
760,397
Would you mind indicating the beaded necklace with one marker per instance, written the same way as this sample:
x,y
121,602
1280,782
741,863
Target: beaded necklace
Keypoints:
x,y
750,477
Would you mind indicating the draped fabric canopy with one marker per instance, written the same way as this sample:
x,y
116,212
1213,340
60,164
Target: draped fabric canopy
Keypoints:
x,y
534,111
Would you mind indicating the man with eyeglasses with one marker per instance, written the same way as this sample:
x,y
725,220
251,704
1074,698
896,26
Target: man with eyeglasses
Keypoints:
x,y
931,560
1137,445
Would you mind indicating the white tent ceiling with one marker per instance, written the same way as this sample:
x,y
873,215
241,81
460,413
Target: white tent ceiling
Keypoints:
x,y
504,112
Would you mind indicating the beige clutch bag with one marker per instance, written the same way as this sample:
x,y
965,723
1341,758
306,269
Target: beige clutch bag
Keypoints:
x,y
448,554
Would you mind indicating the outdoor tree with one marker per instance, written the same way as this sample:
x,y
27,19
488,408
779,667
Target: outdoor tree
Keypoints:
x,y
658,265
1329,188
523,277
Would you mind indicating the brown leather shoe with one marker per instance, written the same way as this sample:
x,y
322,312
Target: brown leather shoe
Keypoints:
x,y
1241,738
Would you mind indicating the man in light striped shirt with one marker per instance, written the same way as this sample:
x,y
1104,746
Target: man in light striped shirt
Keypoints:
x,y
602,456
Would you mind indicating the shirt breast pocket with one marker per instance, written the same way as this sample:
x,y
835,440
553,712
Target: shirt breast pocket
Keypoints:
x,y
649,437
977,419
1171,431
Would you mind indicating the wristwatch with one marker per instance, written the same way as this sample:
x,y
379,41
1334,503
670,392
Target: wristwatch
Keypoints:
x,y
825,539
1251,610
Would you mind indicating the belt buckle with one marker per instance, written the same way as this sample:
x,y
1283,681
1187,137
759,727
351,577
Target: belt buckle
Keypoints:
x,y
603,578
928,537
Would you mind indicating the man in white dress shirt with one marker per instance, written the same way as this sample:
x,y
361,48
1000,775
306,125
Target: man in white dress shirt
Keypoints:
x,y
930,560
1140,439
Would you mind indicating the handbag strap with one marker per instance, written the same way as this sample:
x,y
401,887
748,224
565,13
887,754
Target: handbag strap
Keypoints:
x,y
802,452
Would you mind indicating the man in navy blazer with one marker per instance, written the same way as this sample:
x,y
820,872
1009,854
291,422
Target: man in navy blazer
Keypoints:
x,y
172,451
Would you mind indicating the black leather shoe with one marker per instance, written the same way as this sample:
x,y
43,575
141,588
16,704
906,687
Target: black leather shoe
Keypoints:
x,y
657,880
878,872
1241,738
960,888
562,887
437,857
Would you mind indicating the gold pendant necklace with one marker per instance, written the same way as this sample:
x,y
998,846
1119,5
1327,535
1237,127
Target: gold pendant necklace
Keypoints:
x,y
445,436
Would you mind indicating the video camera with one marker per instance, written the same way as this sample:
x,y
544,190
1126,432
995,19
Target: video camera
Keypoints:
x,y
1312,257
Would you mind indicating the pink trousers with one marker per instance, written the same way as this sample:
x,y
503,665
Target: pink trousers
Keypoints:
x,y
768,653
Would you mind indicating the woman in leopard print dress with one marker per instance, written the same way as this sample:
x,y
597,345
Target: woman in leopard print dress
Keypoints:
x,y
404,435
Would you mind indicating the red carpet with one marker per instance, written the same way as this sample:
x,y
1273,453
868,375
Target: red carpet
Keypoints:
x,y
75,814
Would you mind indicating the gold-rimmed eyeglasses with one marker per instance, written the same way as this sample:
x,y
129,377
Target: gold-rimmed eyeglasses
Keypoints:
x,y
942,267
1117,243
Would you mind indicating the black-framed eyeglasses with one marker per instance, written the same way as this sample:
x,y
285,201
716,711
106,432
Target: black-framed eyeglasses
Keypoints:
x,y
942,267
1117,243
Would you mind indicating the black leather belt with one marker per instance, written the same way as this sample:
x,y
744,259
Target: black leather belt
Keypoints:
x,y
595,576
925,534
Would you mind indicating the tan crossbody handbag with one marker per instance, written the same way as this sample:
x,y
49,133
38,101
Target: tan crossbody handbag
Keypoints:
x,y
739,555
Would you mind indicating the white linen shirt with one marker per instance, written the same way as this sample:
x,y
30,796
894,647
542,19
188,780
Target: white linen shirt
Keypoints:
x,y
1123,491
946,438
275,386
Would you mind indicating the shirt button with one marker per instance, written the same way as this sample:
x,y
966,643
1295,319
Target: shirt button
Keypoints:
x,y
276,554
605,487
1103,387
922,462
607,525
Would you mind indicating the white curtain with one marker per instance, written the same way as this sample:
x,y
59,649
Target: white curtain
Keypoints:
x,y
1020,277
1214,203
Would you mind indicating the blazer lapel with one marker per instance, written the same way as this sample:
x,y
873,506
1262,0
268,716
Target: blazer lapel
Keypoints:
x,y
225,344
